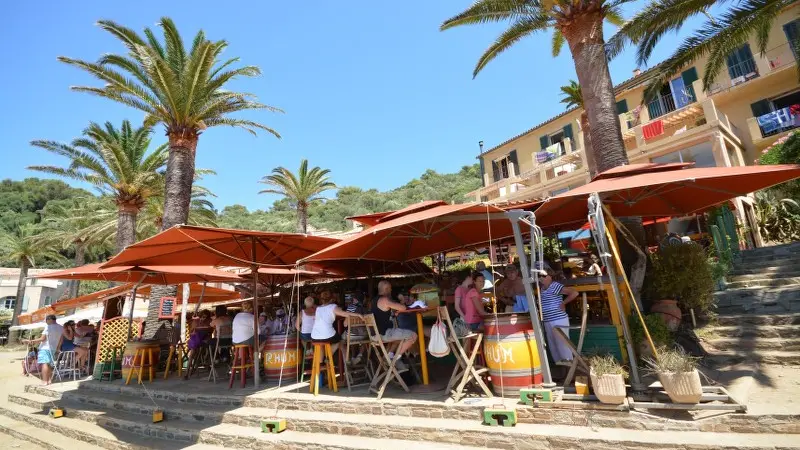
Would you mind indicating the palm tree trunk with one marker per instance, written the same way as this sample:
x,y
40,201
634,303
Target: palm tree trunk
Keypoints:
x,y
179,178
126,226
24,265
302,218
80,259
587,144
584,35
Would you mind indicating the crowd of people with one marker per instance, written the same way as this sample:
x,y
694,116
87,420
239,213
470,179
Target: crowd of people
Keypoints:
x,y
80,338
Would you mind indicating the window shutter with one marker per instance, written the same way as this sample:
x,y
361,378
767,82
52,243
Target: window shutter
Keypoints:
x,y
483,172
512,157
495,171
761,107
544,141
622,107
689,76
792,31
568,132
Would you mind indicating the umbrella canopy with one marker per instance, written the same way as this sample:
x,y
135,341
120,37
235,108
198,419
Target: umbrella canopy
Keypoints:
x,y
358,268
219,247
420,230
280,275
657,190
164,275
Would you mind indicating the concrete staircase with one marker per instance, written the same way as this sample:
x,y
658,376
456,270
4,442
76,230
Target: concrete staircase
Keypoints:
x,y
114,416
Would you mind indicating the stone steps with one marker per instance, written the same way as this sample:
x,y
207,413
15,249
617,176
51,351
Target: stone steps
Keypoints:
x,y
773,250
748,344
746,273
786,358
767,263
760,320
756,331
41,437
758,300
778,281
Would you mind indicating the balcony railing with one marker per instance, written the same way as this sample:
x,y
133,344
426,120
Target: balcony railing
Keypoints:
x,y
779,121
660,106
743,71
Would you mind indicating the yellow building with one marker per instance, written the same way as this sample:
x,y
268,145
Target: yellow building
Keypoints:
x,y
745,111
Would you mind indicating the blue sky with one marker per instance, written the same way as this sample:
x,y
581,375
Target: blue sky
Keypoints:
x,y
372,90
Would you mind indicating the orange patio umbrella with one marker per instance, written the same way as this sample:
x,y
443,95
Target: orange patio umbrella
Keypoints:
x,y
164,275
420,230
658,190
277,276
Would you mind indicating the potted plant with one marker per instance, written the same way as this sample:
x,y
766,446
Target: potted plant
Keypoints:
x,y
678,374
608,379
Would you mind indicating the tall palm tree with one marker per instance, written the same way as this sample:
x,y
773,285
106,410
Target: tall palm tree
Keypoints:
x,y
301,190
574,99
118,163
183,90
717,37
23,248
579,23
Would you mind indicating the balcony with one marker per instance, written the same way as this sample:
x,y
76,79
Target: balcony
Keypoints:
x,y
774,60
768,128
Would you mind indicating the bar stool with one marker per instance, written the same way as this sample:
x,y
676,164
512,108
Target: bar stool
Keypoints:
x,y
242,360
330,368
176,355
307,357
112,367
144,356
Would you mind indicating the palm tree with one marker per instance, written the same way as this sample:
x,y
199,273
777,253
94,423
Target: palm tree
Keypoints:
x,y
717,37
579,23
185,91
116,162
574,99
23,248
301,190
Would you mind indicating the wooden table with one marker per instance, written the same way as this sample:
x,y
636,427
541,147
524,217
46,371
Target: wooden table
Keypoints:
x,y
421,339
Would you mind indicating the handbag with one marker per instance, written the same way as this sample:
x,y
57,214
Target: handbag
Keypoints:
x,y
437,346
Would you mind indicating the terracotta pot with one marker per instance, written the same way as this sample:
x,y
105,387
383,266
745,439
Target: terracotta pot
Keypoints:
x,y
682,387
609,389
669,311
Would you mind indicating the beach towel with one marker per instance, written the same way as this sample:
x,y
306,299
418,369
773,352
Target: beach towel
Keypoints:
x,y
554,150
542,157
653,129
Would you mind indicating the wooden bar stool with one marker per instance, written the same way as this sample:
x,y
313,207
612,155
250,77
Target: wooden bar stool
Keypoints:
x,y
176,356
242,360
330,368
144,357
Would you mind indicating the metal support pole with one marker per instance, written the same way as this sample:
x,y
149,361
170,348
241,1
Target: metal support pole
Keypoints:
x,y
184,306
133,303
514,216
596,213
256,344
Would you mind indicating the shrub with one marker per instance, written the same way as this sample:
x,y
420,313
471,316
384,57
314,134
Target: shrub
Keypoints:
x,y
682,272
658,329
606,365
784,151
778,218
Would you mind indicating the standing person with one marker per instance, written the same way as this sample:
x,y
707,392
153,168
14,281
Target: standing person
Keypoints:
x,y
488,277
382,310
591,267
263,328
555,297
461,293
324,321
243,325
471,304
49,342
280,324
512,291
305,321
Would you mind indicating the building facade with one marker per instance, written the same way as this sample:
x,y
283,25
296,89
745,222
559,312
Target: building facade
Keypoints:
x,y
748,108
38,293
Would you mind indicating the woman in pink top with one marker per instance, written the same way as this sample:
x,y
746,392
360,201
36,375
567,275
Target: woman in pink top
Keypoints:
x,y
468,301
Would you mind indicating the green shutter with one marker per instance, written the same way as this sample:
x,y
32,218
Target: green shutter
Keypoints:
x,y
495,172
689,76
761,107
483,171
512,157
568,131
544,141
622,107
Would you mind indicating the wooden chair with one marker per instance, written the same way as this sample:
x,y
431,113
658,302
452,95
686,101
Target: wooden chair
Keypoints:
x,y
322,350
386,365
242,361
142,359
577,360
361,373
214,351
466,370
112,367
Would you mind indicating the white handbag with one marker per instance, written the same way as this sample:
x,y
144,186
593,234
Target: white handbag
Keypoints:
x,y
437,346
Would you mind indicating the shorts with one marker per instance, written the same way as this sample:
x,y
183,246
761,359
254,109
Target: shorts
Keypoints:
x,y
225,342
331,340
249,342
399,334
475,326
45,357
305,336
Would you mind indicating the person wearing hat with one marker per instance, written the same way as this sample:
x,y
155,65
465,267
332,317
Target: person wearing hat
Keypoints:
x,y
49,342
263,327
280,324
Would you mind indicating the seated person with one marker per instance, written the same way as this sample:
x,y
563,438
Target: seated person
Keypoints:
x,y
223,326
324,321
512,291
263,328
305,321
280,324
382,310
406,321
488,277
243,332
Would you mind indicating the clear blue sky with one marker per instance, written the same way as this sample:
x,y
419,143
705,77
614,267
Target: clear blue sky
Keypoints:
x,y
372,90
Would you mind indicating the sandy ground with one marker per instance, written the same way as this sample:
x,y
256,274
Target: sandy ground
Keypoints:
x,y
12,442
775,390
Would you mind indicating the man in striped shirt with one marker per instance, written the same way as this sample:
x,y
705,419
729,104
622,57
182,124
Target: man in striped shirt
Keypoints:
x,y
555,296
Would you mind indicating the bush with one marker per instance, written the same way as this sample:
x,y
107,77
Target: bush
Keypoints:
x,y
778,218
682,272
784,151
658,329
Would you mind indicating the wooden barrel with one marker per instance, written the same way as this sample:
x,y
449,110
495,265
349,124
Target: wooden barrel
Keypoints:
x,y
130,350
275,356
509,347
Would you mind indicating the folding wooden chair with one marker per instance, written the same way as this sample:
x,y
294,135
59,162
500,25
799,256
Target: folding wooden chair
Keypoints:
x,y
466,370
386,370
361,373
576,352
577,358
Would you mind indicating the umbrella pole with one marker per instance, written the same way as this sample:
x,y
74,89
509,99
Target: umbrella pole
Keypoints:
x,y
200,300
514,216
133,302
256,346
596,212
184,307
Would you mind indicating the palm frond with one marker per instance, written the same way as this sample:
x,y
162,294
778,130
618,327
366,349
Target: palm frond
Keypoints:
x,y
518,30
558,42
488,11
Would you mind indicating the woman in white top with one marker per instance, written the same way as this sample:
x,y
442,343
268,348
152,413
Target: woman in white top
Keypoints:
x,y
305,321
324,318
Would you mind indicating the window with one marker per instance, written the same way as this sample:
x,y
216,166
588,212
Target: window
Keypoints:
x,y
662,104
792,31
741,66
506,166
701,154
7,302
558,138
775,115
47,300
